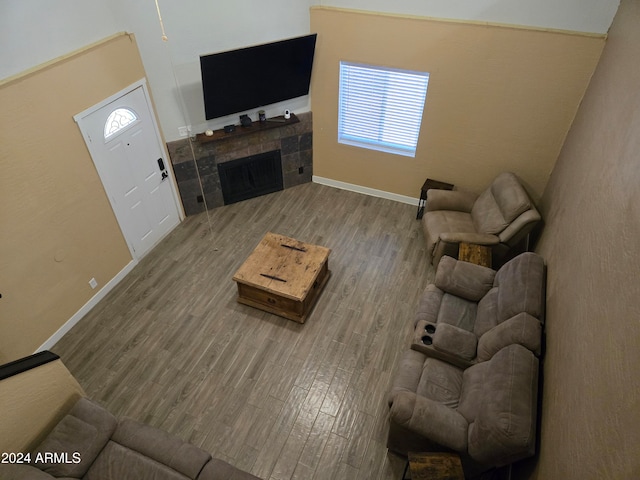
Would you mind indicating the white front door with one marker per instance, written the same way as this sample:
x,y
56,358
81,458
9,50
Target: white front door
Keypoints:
x,y
125,145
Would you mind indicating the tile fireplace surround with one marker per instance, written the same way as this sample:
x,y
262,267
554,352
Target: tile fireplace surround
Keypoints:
x,y
294,142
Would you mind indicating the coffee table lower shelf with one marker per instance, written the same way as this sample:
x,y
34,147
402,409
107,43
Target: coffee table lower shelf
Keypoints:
x,y
273,302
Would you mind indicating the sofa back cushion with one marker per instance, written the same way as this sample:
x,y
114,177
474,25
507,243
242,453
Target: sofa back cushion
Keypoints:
x,y
522,329
500,204
510,195
487,313
504,429
119,462
440,382
83,432
161,446
486,214
520,285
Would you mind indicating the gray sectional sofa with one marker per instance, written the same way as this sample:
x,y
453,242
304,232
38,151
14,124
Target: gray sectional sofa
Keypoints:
x,y
469,382
67,436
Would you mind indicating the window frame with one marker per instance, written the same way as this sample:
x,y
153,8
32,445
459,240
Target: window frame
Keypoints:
x,y
356,128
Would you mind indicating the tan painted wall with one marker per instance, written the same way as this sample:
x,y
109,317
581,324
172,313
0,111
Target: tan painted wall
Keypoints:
x,y
33,402
499,98
591,401
58,229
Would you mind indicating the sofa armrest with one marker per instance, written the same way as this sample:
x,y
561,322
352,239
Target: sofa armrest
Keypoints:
x,y
486,239
463,279
523,329
455,340
432,420
457,200
161,447
520,227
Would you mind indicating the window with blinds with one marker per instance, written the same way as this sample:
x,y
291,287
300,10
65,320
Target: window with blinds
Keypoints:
x,y
381,108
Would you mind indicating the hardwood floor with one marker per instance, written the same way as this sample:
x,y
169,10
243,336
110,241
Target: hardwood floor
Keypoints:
x,y
171,347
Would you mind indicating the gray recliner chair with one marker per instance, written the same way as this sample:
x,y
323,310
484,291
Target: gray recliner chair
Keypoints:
x,y
486,413
500,217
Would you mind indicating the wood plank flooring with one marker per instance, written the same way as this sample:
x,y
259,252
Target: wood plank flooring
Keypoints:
x,y
171,347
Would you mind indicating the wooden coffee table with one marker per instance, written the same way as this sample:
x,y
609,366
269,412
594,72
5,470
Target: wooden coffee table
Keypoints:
x,y
283,276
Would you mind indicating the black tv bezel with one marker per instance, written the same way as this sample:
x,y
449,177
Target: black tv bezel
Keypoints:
x,y
243,75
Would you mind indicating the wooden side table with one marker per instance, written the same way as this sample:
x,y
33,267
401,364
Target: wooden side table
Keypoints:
x,y
472,253
435,184
434,466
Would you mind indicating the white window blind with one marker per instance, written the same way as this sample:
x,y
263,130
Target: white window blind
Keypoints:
x,y
381,108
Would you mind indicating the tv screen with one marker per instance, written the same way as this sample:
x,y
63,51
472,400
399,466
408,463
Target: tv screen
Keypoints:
x,y
238,80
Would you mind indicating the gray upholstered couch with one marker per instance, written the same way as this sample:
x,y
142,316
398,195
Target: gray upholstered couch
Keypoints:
x,y
90,443
46,415
469,384
470,312
500,217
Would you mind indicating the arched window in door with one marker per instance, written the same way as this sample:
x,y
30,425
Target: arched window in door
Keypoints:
x,y
117,120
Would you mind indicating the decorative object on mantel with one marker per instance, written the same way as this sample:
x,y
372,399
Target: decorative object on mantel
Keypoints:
x,y
245,120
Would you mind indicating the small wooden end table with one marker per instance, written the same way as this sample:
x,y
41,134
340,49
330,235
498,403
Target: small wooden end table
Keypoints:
x,y
430,184
434,466
283,276
472,253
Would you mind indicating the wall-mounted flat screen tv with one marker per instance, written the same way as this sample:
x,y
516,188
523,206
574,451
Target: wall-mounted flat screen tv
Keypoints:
x,y
239,80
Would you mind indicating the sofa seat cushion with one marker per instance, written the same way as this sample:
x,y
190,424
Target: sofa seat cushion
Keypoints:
x,y
457,311
84,431
444,221
440,382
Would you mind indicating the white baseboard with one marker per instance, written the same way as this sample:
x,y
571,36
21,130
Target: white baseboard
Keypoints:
x,y
366,190
69,324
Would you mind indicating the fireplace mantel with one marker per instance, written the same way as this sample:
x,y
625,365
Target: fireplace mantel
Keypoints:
x,y
256,127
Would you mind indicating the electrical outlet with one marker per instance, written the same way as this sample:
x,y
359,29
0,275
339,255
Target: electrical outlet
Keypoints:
x,y
300,170
183,131
92,283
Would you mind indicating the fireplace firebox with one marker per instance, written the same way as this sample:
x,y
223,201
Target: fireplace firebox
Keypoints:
x,y
250,177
